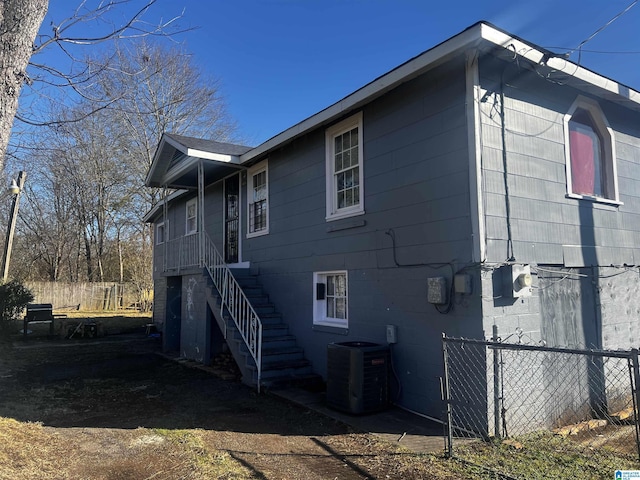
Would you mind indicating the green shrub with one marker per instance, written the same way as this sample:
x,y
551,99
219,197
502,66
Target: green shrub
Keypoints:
x,y
14,297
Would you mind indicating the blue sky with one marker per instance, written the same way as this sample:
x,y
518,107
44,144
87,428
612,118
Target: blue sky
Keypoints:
x,y
280,61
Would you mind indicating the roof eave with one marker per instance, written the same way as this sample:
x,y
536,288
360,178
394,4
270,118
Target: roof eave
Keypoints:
x,y
162,160
408,70
579,76
473,36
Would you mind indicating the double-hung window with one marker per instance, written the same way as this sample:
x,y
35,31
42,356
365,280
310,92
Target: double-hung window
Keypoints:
x,y
258,200
590,152
160,232
191,225
344,166
331,299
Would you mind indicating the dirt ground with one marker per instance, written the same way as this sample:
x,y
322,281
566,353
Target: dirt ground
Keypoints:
x,y
112,408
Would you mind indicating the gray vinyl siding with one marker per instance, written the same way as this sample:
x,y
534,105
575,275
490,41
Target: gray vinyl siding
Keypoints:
x,y
542,218
214,213
590,301
416,181
159,301
158,251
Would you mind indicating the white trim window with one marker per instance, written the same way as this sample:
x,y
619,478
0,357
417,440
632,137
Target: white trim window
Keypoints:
x,y
590,153
344,165
160,233
191,214
331,306
258,200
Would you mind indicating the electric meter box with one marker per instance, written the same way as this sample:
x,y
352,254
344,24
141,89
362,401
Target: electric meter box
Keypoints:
x,y
517,281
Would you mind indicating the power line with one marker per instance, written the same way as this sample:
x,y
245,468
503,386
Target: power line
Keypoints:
x,y
607,52
588,39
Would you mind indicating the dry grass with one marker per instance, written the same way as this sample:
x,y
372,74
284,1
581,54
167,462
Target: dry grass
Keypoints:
x,y
29,451
114,410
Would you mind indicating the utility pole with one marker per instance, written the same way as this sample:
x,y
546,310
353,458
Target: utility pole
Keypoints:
x,y
15,190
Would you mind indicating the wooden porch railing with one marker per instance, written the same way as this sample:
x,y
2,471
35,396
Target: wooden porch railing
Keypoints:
x,y
235,302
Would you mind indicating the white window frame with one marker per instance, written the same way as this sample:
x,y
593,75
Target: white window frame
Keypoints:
x,y
608,150
320,317
160,237
190,231
333,212
253,171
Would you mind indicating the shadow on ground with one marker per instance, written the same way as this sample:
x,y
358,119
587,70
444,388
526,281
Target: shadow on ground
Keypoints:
x,y
123,383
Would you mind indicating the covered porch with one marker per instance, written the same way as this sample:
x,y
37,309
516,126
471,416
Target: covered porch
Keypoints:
x,y
183,166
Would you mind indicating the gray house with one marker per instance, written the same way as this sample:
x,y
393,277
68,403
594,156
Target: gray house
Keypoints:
x,y
484,182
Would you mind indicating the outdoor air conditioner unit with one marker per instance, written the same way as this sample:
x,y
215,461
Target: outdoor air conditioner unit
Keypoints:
x,y
358,377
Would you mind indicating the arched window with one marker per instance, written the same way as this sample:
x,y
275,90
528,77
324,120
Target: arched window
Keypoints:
x,y
591,169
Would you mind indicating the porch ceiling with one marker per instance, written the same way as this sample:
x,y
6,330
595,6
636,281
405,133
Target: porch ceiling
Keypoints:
x,y
185,175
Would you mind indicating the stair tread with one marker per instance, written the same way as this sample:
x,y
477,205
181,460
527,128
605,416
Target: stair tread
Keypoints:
x,y
281,350
274,326
285,364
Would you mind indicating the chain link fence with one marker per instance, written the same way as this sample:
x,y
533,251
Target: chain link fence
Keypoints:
x,y
549,412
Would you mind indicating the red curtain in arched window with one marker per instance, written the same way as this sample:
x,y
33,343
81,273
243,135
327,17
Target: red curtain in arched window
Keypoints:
x,y
585,160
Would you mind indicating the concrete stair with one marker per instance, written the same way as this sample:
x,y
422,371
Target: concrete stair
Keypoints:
x,y
283,361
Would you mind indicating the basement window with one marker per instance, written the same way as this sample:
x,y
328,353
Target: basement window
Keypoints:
x,y
331,299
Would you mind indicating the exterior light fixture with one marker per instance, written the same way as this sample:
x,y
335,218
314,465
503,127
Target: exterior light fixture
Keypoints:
x,y
14,189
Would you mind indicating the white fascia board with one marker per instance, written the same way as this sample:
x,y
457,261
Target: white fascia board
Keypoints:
x,y
218,157
559,64
404,72
432,58
191,152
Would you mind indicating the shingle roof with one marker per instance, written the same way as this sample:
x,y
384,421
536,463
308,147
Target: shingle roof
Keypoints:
x,y
209,145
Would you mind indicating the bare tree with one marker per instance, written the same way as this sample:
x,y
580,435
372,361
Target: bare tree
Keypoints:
x,y
99,162
20,21
160,90
19,24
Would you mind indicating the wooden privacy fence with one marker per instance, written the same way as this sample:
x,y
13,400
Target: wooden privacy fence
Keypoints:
x,y
90,296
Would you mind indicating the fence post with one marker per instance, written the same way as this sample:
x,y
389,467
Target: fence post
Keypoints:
x,y
636,394
447,397
497,381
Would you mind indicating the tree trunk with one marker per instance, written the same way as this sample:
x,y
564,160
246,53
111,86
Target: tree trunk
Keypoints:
x,y
20,21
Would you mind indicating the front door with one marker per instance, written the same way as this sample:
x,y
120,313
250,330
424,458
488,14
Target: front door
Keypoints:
x,y
232,218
